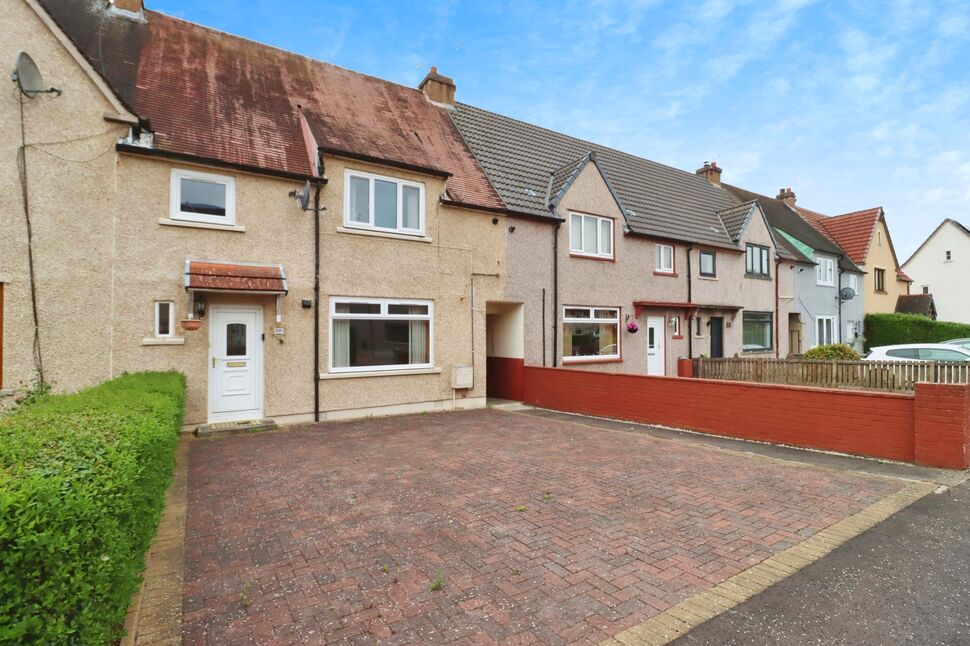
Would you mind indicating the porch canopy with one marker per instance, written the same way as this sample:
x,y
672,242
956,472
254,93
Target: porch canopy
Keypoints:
x,y
238,277
689,308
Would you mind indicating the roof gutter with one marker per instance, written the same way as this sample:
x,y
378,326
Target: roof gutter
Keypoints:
x,y
210,161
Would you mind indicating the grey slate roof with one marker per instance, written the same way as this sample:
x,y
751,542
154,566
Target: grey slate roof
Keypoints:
x,y
519,159
564,176
735,218
781,216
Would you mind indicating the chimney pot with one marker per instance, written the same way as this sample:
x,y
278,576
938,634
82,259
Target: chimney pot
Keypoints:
x,y
132,6
787,196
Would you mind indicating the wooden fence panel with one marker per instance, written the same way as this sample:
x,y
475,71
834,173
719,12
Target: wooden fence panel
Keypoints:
x,y
893,376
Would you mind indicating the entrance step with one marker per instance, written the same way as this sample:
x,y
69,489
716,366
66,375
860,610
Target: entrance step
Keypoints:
x,y
228,428
506,404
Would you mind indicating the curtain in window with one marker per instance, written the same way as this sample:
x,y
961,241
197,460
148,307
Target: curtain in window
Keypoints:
x,y
341,343
418,341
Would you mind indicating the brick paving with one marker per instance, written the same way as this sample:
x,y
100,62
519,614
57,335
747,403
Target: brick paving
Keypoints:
x,y
538,530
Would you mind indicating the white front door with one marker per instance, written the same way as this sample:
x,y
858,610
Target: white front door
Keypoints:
x,y
655,345
235,363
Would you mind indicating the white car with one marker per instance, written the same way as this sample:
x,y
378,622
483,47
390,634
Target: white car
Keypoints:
x,y
918,352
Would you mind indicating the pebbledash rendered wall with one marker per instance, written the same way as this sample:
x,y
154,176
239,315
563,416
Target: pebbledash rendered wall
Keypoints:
x,y
930,427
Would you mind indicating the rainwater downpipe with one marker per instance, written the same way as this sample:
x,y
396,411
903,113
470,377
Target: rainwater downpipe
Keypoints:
x,y
777,309
555,291
690,321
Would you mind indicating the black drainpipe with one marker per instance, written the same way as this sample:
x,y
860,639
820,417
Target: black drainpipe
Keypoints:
x,y
838,297
316,299
555,291
689,321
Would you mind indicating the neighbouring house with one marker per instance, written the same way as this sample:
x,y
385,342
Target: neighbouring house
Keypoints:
x,y
921,304
601,242
828,305
163,234
941,267
864,235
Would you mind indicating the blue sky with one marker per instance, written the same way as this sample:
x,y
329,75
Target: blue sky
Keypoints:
x,y
852,104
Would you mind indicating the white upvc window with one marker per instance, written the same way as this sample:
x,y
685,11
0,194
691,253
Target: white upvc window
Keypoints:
x,y
590,235
383,203
590,333
164,319
380,334
825,328
665,259
854,282
202,197
825,271
675,325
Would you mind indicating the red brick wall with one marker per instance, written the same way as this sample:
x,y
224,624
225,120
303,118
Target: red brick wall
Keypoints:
x,y
943,425
863,423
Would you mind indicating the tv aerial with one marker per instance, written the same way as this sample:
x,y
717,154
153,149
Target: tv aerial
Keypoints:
x,y
28,78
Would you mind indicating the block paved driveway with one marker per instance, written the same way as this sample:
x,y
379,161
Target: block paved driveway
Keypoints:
x,y
539,530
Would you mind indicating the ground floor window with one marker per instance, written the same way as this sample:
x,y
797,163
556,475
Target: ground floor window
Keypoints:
x,y
824,330
590,332
379,334
757,328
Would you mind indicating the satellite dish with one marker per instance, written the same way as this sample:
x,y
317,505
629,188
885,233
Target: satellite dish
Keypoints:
x,y
846,294
28,77
302,198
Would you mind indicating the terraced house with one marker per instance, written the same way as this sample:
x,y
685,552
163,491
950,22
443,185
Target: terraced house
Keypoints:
x,y
304,242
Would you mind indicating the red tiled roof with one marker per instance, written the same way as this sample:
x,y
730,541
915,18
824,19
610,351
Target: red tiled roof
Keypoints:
x,y
216,96
207,275
851,231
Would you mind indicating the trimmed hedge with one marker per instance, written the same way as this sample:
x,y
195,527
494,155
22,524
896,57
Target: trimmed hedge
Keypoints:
x,y
891,329
839,351
82,487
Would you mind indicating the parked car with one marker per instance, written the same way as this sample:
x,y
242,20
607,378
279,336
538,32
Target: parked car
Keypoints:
x,y
918,352
963,343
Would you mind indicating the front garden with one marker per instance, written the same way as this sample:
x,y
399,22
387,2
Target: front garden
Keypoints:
x,y
82,484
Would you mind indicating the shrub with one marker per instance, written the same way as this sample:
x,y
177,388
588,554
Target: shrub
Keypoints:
x,y
82,483
890,329
838,351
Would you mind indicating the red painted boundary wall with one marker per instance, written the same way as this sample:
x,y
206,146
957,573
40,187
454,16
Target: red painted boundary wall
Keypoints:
x,y
504,377
930,427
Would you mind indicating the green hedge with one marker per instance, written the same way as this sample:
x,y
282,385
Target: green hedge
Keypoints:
x,y
82,484
839,351
891,329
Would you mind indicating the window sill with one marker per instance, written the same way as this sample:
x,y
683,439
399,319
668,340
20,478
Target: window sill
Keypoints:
x,y
825,284
758,351
585,256
158,340
758,276
880,291
669,274
578,361
236,228
384,234
702,277
380,373
675,337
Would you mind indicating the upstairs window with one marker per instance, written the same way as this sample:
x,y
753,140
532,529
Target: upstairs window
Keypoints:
x,y
665,259
164,319
879,279
757,261
854,282
590,235
708,264
203,197
383,203
825,271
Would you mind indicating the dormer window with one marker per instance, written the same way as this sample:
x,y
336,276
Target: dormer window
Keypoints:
x,y
203,197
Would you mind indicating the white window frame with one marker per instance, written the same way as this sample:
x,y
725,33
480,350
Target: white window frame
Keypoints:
x,y
592,319
675,325
599,239
369,225
384,303
175,198
833,329
171,319
825,271
854,282
659,263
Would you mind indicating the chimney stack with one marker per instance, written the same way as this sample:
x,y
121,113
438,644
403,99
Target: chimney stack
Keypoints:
x,y
711,172
787,196
134,7
437,87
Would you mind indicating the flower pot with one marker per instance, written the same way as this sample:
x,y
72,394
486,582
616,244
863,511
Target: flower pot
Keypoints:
x,y
191,324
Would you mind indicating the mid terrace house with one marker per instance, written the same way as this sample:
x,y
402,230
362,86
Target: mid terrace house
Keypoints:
x,y
306,242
